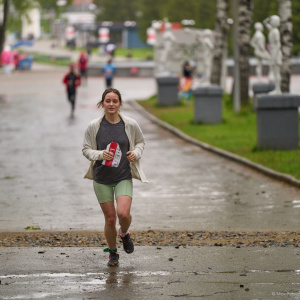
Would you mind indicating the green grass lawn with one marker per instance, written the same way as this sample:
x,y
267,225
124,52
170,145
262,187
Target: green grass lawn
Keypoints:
x,y
48,59
236,133
135,53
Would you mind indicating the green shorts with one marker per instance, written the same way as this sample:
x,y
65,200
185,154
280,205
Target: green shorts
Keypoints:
x,y
109,192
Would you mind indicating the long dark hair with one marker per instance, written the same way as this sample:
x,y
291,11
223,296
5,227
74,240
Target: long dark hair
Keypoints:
x,y
109,90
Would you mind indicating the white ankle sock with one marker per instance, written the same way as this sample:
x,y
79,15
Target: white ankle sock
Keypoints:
x,y
122,233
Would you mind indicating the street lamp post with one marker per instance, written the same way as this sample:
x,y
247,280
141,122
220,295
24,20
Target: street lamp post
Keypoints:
x,y
237,83
225,57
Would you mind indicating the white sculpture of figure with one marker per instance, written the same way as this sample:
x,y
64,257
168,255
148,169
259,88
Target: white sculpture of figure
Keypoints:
x,y
272,24
198,57
258,42
156,25
187,48
203,56
169,41
208,48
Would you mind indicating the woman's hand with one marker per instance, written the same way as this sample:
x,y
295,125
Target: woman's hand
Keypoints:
x,y
108,155
131,156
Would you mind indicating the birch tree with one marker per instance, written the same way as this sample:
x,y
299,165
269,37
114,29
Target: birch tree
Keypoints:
x,y
4,23
244,35
221,30
286,30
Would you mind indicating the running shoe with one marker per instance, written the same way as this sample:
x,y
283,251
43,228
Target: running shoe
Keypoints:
x,y
127,242
113,259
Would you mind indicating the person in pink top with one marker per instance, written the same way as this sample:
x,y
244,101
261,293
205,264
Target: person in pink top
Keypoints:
x,y
83,65
7,59
16,59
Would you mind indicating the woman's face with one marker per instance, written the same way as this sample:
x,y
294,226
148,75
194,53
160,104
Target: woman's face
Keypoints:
x,y
111,103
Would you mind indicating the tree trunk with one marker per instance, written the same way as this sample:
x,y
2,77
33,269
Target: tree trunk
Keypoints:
x,y
3,27
220,38
286,30
244,27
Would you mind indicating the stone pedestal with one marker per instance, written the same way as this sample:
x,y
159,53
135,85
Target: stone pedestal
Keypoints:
x,y
167,87
277,121
208,104
261,88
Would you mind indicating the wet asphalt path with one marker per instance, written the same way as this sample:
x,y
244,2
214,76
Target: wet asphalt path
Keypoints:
x,y
41,185
151,273
41,168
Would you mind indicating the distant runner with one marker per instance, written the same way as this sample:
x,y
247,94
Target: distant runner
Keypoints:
x,y
72,81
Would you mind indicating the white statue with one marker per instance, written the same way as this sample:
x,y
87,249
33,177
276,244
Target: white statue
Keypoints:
x,y
258,42
203,56
208,48
272,24
156,25
199,59
169,42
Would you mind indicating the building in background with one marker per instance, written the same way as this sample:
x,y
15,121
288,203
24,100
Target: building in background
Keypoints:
x,y
82,14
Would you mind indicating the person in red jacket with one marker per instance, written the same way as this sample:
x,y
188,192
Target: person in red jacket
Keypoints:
x,y
83,65
72,81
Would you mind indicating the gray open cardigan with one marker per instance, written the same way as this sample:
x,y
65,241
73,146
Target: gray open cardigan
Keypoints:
x,y
136,144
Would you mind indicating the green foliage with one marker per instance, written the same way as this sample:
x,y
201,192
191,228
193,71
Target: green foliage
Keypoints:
x,y
32,227
117,10
296,26
145,11
264,9
201,11
207,14
179,10
51,4
22,6
51,60
14,24
236,133
46,25
151,10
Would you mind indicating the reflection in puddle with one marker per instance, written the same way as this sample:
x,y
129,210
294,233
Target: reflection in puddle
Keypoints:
x,y
82,282
293,203
261,271
32,296
102,276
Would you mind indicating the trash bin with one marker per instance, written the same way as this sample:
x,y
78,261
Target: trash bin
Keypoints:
x,y
25,63
277,121
208,104
167,90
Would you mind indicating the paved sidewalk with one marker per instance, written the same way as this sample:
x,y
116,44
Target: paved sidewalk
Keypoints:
x,y
41,184
150,273
41,155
